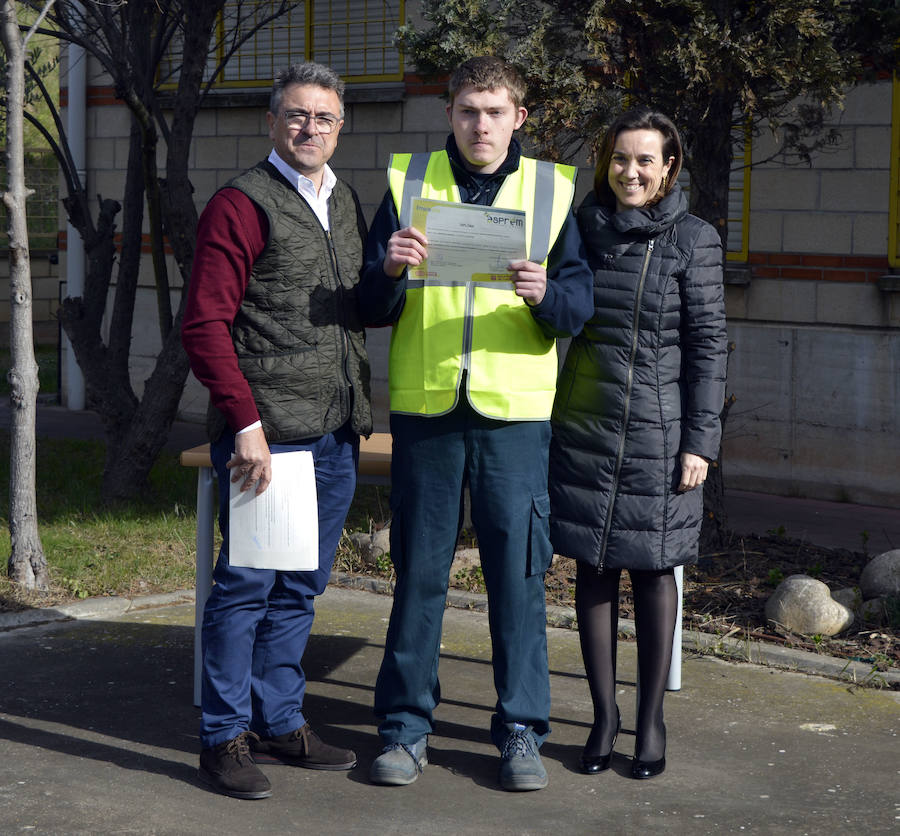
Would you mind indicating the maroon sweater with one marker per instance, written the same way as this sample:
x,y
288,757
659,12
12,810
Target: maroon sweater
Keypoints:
x,y
231,235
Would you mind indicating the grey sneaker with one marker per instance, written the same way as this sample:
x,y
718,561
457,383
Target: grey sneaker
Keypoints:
x,y
399,763
520,764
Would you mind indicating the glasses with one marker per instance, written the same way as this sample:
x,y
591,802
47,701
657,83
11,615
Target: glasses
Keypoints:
x,y
298,119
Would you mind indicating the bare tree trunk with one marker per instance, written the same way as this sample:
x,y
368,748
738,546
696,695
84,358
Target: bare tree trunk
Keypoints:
x,y
714,527
711,156
27,563
712,153
130,40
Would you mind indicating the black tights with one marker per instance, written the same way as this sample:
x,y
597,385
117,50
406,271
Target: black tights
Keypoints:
x,y
655,608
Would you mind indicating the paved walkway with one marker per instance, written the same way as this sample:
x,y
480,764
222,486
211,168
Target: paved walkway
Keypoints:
x,y
98,735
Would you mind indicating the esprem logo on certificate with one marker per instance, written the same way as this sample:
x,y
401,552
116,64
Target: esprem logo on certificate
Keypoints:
x,y
506,220
468,243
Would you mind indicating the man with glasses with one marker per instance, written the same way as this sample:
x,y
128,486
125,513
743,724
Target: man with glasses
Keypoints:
x,y
273,331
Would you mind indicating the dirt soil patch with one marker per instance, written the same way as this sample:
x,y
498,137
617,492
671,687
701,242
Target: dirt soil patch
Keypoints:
x,y
726,592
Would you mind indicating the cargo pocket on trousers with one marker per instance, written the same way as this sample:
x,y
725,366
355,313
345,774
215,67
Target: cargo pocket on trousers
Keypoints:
x,y
540,551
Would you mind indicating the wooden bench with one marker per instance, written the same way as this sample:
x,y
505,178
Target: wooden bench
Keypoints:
x,y
374,464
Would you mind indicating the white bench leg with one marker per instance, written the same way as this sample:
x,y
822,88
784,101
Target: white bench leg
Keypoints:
x,y
673,683
206,495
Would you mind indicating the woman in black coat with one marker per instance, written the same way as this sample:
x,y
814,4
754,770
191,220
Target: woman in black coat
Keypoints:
x,y
636,419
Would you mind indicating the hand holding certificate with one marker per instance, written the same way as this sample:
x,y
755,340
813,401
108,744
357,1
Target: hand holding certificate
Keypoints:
x,y
467,242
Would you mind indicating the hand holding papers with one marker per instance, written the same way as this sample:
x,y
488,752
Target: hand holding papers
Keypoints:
x,y
279,528
467,242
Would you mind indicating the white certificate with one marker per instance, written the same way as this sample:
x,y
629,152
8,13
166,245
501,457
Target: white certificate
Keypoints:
x,y
466,242
279,529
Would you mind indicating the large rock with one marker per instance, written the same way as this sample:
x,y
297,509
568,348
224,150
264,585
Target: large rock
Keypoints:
x,y
804,605
881,577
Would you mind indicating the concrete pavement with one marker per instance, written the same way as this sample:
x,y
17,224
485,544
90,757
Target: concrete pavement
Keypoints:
x,y
98,735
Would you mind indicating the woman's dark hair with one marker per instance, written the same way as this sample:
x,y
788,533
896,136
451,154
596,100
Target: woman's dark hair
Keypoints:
x,y
638,119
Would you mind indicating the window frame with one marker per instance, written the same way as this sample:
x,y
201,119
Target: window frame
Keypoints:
x,y
742,254
309,26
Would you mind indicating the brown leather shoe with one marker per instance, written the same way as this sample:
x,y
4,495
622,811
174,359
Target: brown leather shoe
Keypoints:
x,y
229,769
302,747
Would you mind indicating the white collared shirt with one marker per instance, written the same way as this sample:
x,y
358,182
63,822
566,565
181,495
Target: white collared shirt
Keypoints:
x,y
318,201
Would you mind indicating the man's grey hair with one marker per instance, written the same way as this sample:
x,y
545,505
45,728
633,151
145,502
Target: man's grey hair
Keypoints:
x,y
307,73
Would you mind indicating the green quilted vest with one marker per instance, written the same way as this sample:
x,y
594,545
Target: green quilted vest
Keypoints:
x,y
298,335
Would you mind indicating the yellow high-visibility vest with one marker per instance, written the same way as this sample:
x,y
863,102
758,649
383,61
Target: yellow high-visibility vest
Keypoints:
x,y
482,328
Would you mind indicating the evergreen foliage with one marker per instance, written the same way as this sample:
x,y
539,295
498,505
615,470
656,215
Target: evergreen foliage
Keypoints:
x,y
721,69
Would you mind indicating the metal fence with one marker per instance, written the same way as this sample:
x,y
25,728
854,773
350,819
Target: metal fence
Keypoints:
x,y
42,175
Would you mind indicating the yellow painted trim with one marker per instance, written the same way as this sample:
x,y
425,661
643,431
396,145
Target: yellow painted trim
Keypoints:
x,y
894,205
743,253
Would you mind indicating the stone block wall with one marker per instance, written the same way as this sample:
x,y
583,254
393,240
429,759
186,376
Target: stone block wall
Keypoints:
x,y
816,365
45,288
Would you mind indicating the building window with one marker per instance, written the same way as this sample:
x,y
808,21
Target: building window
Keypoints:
x,y
353,37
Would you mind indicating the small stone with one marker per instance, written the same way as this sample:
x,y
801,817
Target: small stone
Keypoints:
x,y
464,560
874,612
881,577
849,596
467,557
360,539
371,546
804,605
381,542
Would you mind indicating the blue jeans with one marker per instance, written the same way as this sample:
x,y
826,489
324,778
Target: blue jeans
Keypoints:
x,y
505,466
257,621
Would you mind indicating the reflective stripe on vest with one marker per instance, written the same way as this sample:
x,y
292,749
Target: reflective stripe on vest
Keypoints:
x,y
483,328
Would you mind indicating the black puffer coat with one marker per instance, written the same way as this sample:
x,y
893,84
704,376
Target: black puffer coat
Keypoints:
x,y
643,383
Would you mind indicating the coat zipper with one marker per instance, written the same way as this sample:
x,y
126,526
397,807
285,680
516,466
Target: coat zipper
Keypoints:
x,y
626,411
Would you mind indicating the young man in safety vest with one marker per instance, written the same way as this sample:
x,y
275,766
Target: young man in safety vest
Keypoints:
x,y
472,377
